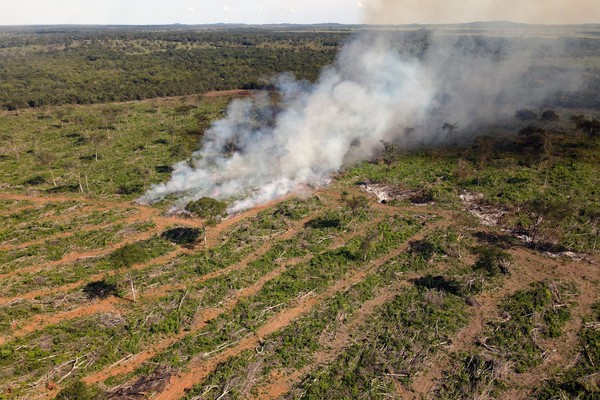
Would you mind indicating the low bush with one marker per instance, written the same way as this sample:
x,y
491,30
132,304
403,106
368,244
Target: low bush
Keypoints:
x,y
493,261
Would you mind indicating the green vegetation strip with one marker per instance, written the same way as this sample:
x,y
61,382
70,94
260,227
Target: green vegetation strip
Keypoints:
x,y
581,380
126,256
165,315
540,311
293,347
56,249
312,276
7,206
239,241
22,229
401,335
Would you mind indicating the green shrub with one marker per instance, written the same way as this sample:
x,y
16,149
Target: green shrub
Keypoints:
x,y
493,261
128,255
539,309
578,382
80,391
207,208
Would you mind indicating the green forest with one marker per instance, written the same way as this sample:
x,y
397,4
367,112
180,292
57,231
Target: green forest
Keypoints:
x,y
78,66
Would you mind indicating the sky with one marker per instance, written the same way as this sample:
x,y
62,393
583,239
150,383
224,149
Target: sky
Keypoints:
x,y
24,12
142,12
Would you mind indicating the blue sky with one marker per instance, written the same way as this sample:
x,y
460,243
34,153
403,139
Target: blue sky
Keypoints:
x,y
17,12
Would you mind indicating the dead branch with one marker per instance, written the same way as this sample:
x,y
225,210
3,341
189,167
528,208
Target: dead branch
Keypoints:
x,y
182,299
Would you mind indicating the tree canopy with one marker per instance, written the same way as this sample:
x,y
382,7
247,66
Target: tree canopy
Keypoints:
x,y
207,208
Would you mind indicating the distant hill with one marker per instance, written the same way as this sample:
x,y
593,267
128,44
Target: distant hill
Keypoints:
x,y
226,26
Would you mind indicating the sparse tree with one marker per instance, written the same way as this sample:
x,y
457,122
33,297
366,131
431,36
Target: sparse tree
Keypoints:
x,y
449,129
544,215
590,128
483,148
367,244
390,152
492,260
550,116
210,210
538,141
126,257
98,139
355,204
525,115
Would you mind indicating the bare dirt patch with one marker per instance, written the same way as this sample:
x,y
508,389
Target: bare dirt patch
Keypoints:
x,y
486,213
386,193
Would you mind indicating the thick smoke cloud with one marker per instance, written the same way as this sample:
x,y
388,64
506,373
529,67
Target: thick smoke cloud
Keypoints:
x,y
460,11
385,86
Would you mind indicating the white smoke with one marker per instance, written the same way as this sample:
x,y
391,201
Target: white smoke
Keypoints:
x,y
381,84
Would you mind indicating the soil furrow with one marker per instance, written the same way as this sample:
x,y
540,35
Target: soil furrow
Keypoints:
x,y
201,368
68,287
133,362
39,322
346,332
530,267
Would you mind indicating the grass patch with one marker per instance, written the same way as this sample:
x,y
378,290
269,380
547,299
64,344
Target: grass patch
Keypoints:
x,y
539,312
581,380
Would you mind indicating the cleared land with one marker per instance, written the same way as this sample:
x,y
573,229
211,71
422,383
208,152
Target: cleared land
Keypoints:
x,y
478,277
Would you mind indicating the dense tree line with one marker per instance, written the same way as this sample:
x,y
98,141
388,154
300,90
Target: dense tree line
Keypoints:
x,y
95,66
80,65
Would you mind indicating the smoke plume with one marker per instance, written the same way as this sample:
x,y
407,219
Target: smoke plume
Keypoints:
x,y
385,86
459,11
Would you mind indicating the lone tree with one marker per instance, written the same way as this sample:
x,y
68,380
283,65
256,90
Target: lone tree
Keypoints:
x,y
538,142
526,115
355,204
126,257
209,209
550,115
390,152
449,128
590,128
542,218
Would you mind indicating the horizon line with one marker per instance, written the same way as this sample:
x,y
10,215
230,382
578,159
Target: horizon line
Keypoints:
x,y
522,24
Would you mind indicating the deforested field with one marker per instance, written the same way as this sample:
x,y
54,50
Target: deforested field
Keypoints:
x,y
467,270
